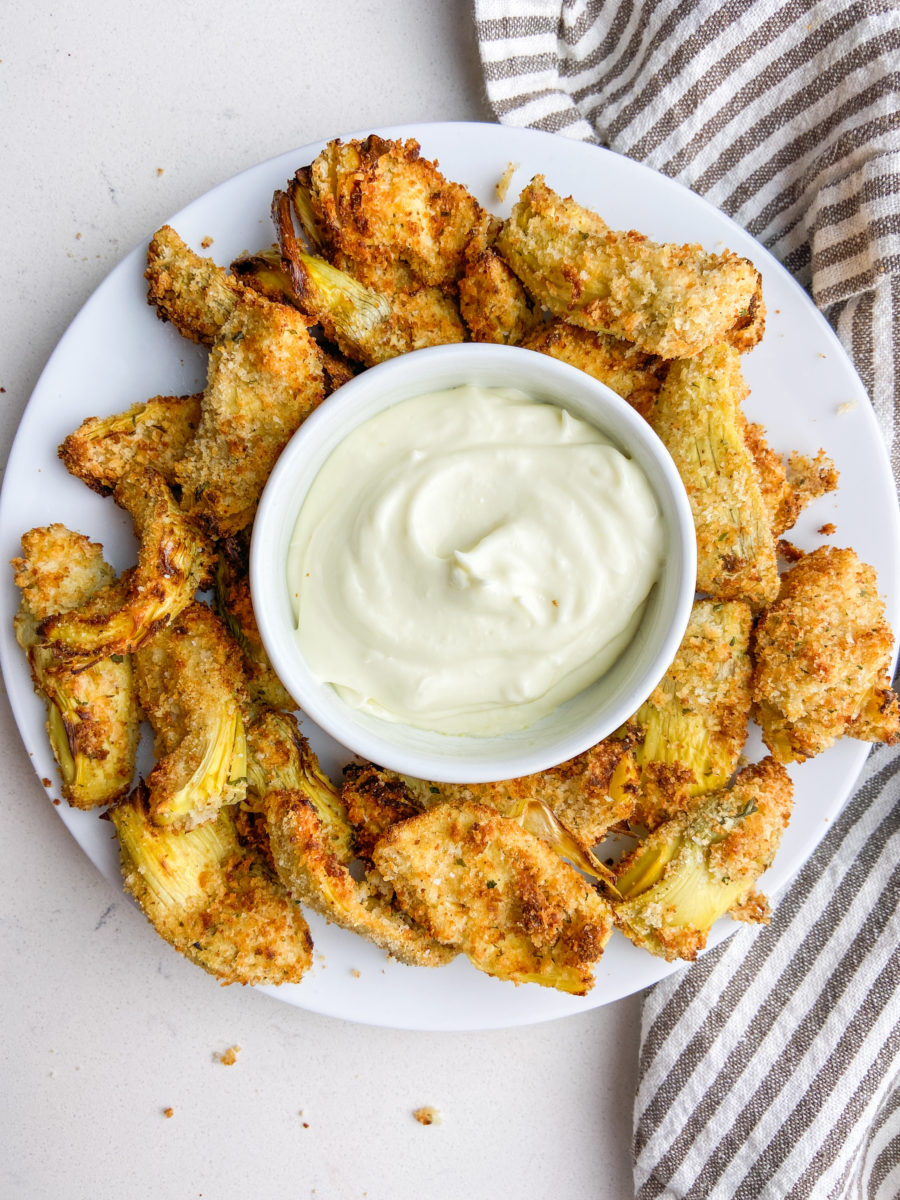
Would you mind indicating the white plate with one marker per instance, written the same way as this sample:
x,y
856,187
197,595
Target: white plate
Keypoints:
x,y
117,352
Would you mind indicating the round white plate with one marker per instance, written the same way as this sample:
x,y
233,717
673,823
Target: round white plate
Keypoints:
x,y
117,352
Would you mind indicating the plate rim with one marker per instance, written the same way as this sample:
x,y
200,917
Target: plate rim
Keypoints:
x,y
12,664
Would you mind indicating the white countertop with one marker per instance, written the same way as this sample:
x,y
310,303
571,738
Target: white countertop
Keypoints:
x,y
105,1027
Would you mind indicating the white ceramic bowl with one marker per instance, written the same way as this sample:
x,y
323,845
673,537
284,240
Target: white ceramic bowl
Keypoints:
x,y
573,726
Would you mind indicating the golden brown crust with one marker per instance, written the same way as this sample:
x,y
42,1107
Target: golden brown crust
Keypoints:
x,y
748,329
216,901
492,301
764,792
631,373
92,716
593,792
315,874
265,378
192,292
704,862
694,724
336,370
234,604
58,570
823,652
269,274
174,560
313,844
697,415
588,794
154,434
375,799
479,881
191,688
369,324
788,489
378,203
670,300
808,478
403,257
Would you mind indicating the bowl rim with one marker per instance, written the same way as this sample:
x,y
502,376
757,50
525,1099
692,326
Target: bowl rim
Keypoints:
x,y
374,390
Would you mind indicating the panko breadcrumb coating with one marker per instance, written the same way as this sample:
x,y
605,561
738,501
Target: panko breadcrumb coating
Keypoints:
x,y
375,799
368,324
492,301
588,793
750,326
631,373
379,255
312,844
269,274
92,716
704,863
378,201
315,876
669,300
788,488
479,881
698,417
192,292
235,606
823,653
593,790
213,899
58,569
694,724
264,379
174,560
153,434
191,688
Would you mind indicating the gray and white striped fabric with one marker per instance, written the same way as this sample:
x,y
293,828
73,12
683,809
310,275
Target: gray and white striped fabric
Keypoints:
x,y
771,1069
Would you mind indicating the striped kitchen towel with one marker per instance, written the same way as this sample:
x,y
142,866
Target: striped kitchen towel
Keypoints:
x,y
770,1069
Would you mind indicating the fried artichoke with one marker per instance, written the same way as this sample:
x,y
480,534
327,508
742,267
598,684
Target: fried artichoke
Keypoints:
x,y
669,300
703,863
213,899
698,417
174,560
694,724
154,434
191,687
312,845
481,882
823,653
92,717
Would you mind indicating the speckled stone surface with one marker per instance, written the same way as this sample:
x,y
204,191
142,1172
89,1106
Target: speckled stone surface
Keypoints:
x,y
114,117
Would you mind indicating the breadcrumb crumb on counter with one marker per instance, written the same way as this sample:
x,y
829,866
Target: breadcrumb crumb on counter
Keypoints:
x,y
168,1112
847,407
206,243
427,1115
229,1057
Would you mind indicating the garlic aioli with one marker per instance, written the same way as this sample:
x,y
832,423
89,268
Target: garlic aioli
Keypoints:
x,y
467,560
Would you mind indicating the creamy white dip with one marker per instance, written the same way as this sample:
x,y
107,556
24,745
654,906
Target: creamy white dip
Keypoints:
x,y
470,559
